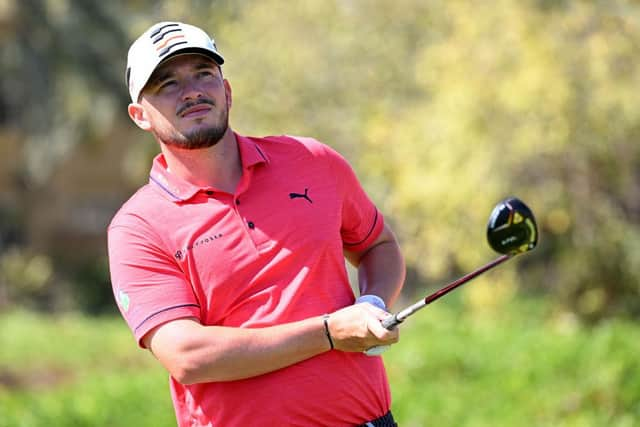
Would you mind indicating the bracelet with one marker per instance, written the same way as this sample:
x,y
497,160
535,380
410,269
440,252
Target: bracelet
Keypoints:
x,y
325,320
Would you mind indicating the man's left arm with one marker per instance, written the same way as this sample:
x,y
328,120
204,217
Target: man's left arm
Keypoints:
x,y
381,267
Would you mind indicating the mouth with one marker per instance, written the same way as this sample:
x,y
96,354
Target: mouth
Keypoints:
x,y
198,110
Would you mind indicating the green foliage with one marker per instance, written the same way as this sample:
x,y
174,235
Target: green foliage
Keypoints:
x,y
443,108
72,371
111,400
24,278
520,364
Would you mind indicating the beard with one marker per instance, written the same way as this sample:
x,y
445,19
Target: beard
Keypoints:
x,y
198,138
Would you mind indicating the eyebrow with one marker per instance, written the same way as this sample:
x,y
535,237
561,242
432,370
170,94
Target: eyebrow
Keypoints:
x,y
165,73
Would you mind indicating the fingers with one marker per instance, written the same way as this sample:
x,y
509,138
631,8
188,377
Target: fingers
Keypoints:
x,y
376,327
358,328
380,332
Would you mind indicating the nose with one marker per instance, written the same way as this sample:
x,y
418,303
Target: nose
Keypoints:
x,y
191,90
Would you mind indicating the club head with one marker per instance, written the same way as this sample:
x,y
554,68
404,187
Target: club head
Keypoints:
x,y
512,227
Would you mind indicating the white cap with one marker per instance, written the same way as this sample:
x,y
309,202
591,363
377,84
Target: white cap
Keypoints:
x,y
160,42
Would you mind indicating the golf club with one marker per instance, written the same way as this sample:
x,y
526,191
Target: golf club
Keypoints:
x,y
511,231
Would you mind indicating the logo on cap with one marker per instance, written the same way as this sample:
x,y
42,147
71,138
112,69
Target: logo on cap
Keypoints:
x,y
166,38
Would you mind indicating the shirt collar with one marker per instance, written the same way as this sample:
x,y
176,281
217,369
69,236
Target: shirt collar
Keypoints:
x,y
250,153
178,190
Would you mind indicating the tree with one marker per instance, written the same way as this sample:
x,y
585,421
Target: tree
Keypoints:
x,y
444,108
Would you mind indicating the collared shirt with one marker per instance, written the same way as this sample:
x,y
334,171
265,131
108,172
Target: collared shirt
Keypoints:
x,y
270,253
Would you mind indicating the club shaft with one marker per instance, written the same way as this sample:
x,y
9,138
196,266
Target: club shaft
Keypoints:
x,y
399,317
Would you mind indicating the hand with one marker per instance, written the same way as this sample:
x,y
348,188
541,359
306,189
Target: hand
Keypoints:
x,y
357,328
378,302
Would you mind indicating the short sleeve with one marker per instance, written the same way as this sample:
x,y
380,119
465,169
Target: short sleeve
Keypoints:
x,y
362,222
148,285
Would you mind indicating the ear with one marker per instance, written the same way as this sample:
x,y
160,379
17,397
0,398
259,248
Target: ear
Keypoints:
x,y
227,91
139,116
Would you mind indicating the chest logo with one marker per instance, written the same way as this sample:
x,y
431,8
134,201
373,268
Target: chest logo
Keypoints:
x,y
181,254
301,196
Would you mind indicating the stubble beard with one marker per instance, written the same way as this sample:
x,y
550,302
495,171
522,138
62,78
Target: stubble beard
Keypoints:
x,y
198,138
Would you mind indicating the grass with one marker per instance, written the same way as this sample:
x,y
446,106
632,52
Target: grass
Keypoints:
x,y
77,371
526,367
521,366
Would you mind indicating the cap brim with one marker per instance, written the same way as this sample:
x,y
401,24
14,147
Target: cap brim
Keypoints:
x,y
194,50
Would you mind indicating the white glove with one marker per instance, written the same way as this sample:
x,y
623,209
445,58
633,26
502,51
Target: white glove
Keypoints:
x,y
378,302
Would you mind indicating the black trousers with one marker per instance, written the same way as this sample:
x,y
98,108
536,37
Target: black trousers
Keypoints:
x,y
384,421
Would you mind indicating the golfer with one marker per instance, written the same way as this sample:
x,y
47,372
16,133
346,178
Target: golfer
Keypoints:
x,y
229,264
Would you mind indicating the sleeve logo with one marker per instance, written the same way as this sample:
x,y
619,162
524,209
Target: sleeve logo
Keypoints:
x,y
123,300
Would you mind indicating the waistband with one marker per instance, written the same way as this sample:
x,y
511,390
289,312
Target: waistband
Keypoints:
x,y
384,421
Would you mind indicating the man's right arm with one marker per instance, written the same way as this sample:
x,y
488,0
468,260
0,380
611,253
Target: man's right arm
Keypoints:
x,y
161,309
193,353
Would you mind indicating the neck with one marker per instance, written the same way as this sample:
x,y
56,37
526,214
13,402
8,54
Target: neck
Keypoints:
x,y
218,166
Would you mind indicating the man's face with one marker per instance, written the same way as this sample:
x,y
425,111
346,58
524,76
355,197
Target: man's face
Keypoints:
x,y
187,102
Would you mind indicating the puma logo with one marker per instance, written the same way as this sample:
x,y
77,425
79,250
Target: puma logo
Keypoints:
x,y
302,196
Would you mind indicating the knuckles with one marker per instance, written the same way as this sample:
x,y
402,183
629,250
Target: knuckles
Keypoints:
x,y
358,328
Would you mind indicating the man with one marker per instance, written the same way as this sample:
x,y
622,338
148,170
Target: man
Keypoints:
x,y
229,265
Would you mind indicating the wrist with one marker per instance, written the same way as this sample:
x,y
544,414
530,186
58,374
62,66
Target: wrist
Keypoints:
x,y
325,321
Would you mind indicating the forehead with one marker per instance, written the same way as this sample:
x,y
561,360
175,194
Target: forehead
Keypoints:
x,y
187,60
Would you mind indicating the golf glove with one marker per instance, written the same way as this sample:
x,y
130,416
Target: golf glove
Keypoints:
x,y
378,302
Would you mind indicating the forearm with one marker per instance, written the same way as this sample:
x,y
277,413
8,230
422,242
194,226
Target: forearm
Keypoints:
x,y
381,267
194,353
382,272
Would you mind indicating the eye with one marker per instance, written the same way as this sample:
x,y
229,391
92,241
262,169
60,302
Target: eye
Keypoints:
x,y
166,84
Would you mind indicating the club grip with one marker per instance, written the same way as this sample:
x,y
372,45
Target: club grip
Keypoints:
x,y
391,322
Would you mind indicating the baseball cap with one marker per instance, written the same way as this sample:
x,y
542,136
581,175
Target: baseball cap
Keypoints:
x,y
160,42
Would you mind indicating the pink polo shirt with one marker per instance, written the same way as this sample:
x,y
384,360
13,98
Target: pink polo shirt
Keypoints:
x,y
269,254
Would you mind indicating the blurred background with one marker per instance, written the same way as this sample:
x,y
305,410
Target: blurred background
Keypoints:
x,y
442,107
